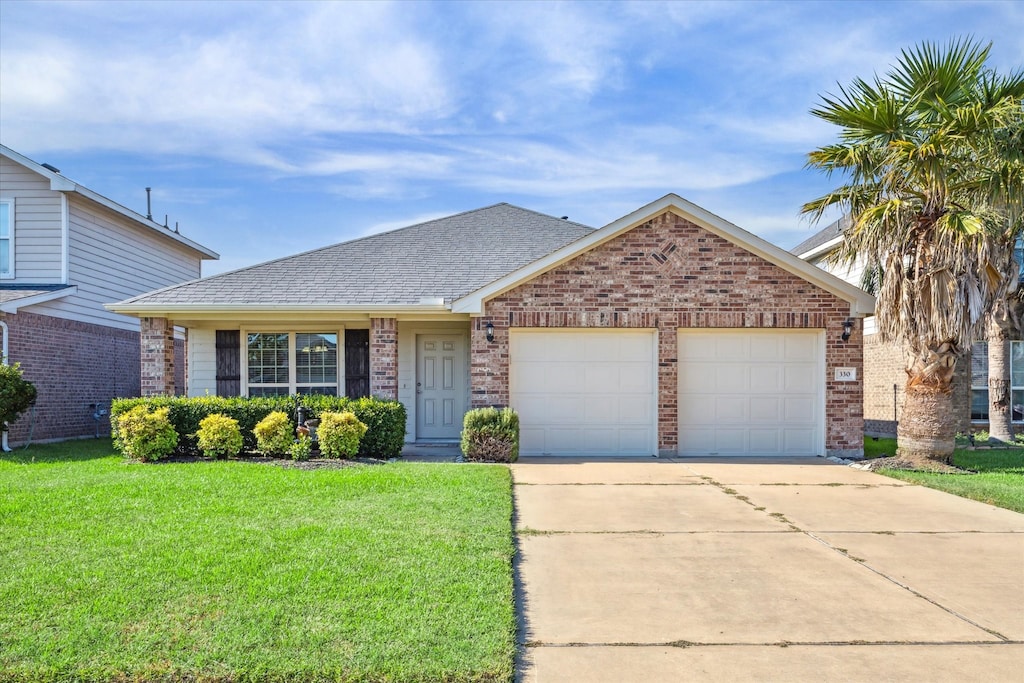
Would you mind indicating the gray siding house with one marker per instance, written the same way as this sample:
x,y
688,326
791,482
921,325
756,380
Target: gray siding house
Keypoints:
x,y
65,251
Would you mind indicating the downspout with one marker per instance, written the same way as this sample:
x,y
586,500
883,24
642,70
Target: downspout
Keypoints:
x,y
3,359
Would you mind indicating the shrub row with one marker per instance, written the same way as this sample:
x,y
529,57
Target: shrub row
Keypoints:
x,y
384,419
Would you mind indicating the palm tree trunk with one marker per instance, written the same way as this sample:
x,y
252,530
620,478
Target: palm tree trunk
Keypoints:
x,y
927,429
1000,417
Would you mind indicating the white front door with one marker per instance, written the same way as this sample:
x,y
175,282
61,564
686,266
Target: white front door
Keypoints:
x,y
751,392
440,385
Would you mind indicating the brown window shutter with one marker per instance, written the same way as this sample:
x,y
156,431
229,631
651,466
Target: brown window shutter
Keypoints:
x,y
229,363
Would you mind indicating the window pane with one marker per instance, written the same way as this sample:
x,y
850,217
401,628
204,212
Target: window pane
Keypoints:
x,y
5,220
979,364
316,358
1017,404
979,404
267,391
267,358
5,256
1017,364
320,391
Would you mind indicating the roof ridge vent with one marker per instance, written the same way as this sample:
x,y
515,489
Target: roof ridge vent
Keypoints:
x,y
50,167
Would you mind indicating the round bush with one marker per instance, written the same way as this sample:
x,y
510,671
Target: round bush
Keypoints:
x,y
145,435
274,434
219,436
339,434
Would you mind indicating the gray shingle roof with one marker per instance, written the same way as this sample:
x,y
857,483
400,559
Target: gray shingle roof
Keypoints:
x,y
10,292
448,257
833,231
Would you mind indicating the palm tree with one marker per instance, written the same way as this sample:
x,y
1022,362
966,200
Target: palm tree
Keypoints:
x,y
930,183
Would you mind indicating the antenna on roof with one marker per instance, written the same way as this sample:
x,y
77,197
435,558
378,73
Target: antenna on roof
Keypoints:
x,y
149,204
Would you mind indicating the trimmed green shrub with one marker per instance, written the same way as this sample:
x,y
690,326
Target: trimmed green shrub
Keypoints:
x,y
16,393
219,436
491,435
274,434
145,435
339,434
301,447
385,419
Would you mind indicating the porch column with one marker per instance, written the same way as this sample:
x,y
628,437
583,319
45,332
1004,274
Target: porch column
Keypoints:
x,y
384,358
156,337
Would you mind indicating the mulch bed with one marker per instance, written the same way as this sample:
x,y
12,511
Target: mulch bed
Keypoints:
x,y
311,464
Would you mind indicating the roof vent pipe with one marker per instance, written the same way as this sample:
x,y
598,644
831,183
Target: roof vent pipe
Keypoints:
x,y
149,204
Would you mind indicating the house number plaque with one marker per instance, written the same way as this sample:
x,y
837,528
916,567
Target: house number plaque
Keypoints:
x,y
846,374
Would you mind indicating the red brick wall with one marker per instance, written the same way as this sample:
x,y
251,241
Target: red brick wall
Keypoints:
x,y
384,357
666,274
73,366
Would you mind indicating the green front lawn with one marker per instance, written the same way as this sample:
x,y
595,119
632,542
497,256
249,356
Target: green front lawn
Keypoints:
x,y
244,571
999,480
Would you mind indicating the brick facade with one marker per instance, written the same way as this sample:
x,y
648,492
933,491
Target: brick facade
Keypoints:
x,y
157,357
666,274
384,357
74,366
885,368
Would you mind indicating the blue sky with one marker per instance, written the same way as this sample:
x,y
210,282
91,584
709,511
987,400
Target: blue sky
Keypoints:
x,y
266,129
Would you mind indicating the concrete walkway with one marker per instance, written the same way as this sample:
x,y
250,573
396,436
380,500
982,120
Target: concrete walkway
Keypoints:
x,y
761,571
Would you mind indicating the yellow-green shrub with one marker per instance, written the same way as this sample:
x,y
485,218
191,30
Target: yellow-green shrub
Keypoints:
x,y
145,435
339,434
219,436
274,434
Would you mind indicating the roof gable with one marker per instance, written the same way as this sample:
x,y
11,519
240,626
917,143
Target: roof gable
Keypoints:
x,y
861,303
60,183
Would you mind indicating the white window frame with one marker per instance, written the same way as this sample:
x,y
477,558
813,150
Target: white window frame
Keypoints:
x,y
1013,387
9,275
292,382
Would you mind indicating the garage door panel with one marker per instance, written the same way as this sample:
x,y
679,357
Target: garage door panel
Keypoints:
x,y
751,392
584,392
637,378
731,378
765,409
765,441
730,408
765,379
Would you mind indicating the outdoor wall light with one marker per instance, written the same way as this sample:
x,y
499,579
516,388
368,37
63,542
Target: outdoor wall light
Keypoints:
x,y
490,331
847,329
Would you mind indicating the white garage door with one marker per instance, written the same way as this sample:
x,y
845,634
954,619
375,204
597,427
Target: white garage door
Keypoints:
x,y
584,392
751,392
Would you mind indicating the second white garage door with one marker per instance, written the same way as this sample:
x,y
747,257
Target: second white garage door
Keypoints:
x,y
584,392
744,392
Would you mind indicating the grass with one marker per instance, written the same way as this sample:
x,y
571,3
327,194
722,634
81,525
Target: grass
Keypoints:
x,y
999,480
235,571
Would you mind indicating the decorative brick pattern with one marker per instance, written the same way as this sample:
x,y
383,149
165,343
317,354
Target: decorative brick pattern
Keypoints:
x,y
157,357
74,366
666,274
384,357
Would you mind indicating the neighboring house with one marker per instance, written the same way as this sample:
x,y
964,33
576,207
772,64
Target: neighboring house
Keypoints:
x,y
885,364
65,251
670,331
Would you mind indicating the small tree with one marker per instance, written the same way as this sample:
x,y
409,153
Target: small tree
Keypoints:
x,y
16,394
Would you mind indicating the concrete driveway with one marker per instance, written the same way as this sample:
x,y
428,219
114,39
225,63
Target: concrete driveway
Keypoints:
x,y
761,571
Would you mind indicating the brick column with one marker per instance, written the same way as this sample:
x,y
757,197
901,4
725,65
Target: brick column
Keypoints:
x,y
156,336
488,363
384,358
668,389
